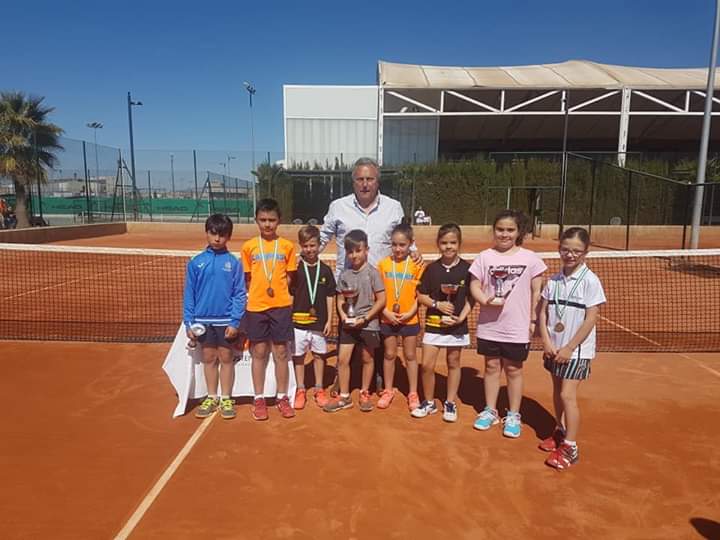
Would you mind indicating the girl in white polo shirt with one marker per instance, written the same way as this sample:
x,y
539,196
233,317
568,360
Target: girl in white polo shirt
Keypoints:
x,y
569,311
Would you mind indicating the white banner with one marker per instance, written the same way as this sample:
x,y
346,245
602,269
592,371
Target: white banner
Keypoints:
x,y
184,368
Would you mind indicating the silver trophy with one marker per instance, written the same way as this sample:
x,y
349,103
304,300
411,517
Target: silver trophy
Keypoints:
x,y
350,293
197,330
499,274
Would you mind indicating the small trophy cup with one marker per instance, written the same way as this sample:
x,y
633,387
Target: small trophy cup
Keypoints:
x,y
499,274
197,330
449,289
350,293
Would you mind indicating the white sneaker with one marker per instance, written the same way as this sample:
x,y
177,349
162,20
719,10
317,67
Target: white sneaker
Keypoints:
x,y
425,408
449,411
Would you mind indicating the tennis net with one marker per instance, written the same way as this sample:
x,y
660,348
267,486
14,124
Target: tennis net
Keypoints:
x,y
657,300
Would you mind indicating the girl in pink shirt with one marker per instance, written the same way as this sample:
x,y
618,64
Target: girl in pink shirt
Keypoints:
x,y
506,281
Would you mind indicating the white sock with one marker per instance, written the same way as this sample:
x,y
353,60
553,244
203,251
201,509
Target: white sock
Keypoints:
x,y
571,443
259,396
281,395
212,396
225,397
344,396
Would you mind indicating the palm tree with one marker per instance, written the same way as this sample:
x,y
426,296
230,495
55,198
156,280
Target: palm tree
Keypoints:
x,y
27,142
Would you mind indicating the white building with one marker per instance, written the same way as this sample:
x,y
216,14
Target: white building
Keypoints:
x,y
421,113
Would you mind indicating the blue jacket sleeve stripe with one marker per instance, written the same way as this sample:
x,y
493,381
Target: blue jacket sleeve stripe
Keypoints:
x,y
239,296
189,294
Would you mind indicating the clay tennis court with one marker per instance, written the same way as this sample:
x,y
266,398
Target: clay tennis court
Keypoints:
x,y
89,433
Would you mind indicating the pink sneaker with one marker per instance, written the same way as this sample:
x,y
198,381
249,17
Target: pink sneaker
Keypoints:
x,y
413,401
386,397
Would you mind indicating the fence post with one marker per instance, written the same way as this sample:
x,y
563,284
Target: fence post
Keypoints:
x,y
685,216
627,213
593,168
195,175
87,184
150,197
712,203
37,166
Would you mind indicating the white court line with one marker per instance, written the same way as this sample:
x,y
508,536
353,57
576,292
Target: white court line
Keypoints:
x,y
145,504
621,327
682,355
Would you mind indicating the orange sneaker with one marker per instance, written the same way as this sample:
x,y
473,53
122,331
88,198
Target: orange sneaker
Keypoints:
x,y
413,401
386,397
365,401
300,399
321,397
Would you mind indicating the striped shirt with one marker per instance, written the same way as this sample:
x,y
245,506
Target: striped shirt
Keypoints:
x,y
588,293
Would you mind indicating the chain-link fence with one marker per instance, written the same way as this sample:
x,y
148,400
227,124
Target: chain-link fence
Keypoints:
x,y
91,183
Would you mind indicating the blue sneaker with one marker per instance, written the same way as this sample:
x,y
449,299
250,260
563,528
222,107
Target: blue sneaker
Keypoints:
x,y
513,426
488,417
449,411
425,408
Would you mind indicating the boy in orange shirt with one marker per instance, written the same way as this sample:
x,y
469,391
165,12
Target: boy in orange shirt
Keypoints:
x,y
270,265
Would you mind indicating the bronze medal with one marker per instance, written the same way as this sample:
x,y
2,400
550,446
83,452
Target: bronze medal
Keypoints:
x,y
396,308
559,327
313,313
270,292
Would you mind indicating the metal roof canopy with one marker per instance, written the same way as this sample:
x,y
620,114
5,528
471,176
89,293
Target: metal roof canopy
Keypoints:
x,y
573,88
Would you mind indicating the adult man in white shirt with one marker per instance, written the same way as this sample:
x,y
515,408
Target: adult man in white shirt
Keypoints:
x,y
370,211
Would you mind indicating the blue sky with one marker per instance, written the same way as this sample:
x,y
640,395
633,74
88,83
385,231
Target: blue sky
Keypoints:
x,y
187,60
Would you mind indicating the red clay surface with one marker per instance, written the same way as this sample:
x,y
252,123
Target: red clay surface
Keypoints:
x,y
88,431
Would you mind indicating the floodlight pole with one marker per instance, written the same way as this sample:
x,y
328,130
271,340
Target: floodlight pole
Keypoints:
x,y
705,137
251,92
130,104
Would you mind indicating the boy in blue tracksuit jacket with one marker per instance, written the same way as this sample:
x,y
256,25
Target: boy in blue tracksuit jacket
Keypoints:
x,y
213,304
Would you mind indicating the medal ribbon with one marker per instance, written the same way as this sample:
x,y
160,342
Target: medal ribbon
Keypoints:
x,y
558,311
397,290
262,258
312,287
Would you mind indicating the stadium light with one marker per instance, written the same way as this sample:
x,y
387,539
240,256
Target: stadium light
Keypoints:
x,y
251,92
95,126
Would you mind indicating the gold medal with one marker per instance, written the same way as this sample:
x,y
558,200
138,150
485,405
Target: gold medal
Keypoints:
x,y
559,327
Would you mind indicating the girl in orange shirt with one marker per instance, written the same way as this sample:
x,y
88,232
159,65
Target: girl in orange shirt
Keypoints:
x,y
399,319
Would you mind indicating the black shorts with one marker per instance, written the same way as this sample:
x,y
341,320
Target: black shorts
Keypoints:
x,y
517,352
369,338
402,330
214,336
273,325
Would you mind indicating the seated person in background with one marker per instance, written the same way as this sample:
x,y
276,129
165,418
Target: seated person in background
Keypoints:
x,y
421,218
